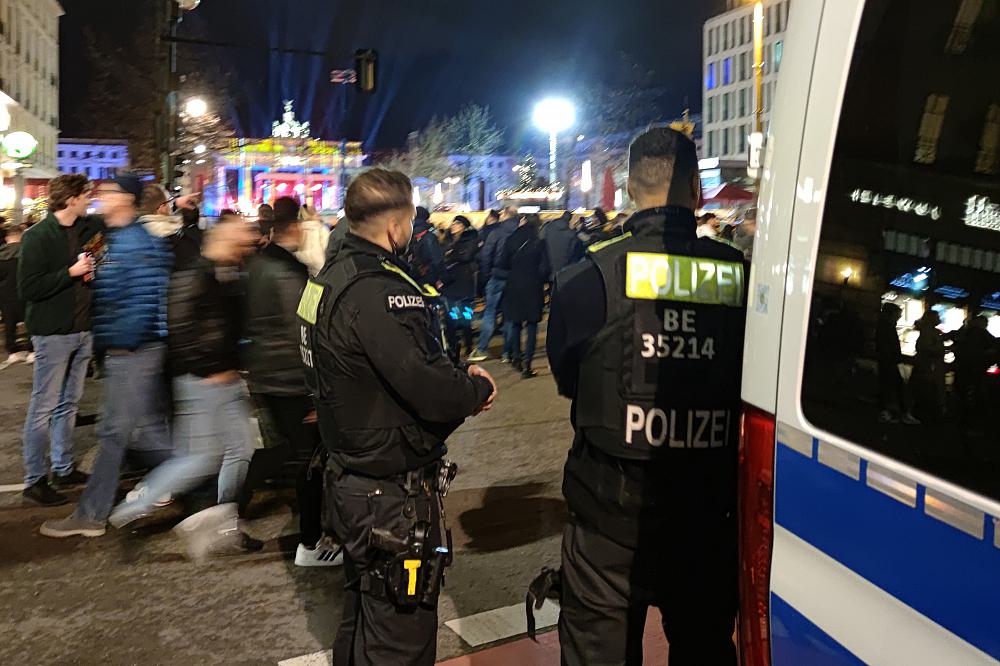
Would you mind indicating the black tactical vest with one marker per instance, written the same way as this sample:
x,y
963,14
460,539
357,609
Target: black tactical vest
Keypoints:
x,y
363,401
664,372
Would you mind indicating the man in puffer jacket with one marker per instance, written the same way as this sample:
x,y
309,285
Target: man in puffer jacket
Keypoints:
x,y
130,324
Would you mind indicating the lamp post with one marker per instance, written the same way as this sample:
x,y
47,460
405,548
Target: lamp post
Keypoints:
x,y
554,115
758,64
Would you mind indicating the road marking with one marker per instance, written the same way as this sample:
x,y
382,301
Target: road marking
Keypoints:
x,y
502,623
15,488
324,658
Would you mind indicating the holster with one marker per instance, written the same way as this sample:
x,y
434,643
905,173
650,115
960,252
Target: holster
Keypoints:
x,y
547,585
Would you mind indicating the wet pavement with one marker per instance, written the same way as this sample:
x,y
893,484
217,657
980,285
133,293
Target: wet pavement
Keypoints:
x,y
132,598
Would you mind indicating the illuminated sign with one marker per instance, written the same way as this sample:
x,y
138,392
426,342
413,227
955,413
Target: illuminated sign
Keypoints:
x,y
19,145
982,213
894,202
917,281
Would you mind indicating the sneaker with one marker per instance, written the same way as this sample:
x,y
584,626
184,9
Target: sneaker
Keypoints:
x,y
12,359
234,542
477,356
74,478
139,495
528,373
215,531
886,416
323,555
41,493
72,525
129,511
30,358
516,364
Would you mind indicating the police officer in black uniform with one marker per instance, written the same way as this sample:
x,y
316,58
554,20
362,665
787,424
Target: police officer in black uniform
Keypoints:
x,y
387,398
654,375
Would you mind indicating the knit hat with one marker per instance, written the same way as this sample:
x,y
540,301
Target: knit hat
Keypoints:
x,y
130,184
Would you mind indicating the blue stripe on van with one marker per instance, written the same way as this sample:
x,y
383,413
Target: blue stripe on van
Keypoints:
x,y
795,640
943,573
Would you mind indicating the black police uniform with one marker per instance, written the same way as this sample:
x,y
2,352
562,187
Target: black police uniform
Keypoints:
x,y
654,374
387,397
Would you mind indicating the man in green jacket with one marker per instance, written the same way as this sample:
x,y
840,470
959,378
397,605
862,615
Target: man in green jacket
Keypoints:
x,y
53,280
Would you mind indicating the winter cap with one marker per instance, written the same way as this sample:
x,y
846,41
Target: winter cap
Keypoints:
x,y
130,184
463,220
422,214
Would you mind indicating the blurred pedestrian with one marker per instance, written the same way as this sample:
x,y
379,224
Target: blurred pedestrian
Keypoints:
x,y
745,231
52,276
265,218
130,324
928,378
275,282
489,226
425,255
11,305
562,243
889,356
314,241
211,406
527,263
496,281
460,278
155,218
708,225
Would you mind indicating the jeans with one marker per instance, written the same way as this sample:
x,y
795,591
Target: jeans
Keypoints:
x,y
514,334
494,294
59,374
212,436
135,417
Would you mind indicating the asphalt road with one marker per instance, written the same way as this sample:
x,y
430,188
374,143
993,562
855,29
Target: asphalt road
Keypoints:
x,y
133,598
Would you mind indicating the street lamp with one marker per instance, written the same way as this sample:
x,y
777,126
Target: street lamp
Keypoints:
x,y
196,107
554,115
200,149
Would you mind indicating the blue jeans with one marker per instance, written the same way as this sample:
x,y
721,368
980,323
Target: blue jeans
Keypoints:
x,y
514,331
212,437
59,374
494,294
134,417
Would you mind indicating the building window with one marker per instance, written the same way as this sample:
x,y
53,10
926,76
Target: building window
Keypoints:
x,y
725,36
725,141
779,49
708,109
73,155
743,31
743,102
710,147
725,106
930,129
743,66
986,160
710,76
727,71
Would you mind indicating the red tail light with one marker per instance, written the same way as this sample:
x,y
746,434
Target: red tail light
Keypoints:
x,y
756,486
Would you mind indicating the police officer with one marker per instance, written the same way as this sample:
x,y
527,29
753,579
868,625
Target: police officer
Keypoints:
x,y
387,398
654,375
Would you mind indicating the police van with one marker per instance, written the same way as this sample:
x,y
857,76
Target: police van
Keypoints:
x,y
870,449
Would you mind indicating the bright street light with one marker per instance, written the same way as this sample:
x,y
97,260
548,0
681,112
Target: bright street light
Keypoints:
x,y
196,107
199,149
554,115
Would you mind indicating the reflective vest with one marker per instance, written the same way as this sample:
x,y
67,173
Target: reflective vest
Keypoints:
x,y
663,374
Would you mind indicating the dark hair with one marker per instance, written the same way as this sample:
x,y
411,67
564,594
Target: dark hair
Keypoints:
x,y
286,209
265,211
65,187
463,220
602,217
662,157
374,192
494,214
227,212
153,196
190,216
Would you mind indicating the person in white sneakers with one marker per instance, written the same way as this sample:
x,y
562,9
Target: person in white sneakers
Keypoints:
x,y
11,306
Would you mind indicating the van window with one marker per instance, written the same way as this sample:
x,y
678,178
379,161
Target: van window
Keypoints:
x,y
903,351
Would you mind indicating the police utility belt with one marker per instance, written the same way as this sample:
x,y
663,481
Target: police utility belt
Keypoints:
x,y
409,569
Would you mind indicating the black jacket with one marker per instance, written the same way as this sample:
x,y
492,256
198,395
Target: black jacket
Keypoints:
x,y
425,254
204,319
274,286
563,244
526,261
460,266
387,396
9,256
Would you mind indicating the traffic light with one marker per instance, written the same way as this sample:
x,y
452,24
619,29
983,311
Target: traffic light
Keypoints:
x,y
366,66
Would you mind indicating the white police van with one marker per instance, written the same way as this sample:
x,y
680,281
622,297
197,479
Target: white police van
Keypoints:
x,y
870,476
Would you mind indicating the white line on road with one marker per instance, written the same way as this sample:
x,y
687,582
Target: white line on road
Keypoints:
x,y
501,623
324,658
15,488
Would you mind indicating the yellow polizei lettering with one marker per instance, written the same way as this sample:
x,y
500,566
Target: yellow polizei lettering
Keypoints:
x,y
411,567
667,277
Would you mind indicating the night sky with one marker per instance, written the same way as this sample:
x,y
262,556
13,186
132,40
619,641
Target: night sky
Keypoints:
x,y
435,55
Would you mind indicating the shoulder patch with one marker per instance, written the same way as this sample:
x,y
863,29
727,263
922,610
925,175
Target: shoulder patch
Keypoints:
x,y
309,303
396,302
597,247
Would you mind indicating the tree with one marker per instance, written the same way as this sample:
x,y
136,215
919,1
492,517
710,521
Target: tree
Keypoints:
x,y
206,130
472,132
426,154
528,177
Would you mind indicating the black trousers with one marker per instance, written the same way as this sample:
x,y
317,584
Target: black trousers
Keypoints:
x,y
374,631
689,573
12,313
288,413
